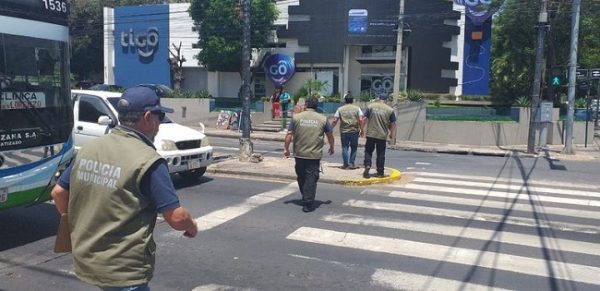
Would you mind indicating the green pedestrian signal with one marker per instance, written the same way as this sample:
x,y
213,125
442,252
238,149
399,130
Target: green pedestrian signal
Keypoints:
x,y
556,78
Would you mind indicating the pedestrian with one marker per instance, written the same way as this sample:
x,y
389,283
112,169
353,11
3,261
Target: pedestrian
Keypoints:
x,y
350,117
275,99
306,131
112,193
284,101
381,120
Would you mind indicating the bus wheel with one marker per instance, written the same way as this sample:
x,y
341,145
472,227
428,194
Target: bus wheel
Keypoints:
x,y
193,174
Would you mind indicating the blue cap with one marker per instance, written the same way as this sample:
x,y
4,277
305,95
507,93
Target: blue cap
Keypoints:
x,y
141,99
383,96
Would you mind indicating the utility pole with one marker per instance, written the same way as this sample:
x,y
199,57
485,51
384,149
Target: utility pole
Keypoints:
x,y
537,77
245,142
572,68
398,63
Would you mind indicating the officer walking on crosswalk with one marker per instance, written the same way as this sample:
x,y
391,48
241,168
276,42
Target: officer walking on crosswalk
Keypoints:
x,y
381,120
306,131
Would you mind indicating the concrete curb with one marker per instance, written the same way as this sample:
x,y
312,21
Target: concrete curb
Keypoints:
x,y
394,176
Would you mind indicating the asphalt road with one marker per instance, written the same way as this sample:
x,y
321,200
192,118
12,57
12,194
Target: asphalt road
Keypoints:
x,y
452,223
568,171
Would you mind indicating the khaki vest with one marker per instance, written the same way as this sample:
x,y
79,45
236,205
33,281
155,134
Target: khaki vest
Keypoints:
x,y
309,128
379,120
111,222
349,117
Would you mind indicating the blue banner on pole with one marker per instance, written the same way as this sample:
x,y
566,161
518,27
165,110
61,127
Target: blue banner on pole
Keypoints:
x,y
279,68
480,10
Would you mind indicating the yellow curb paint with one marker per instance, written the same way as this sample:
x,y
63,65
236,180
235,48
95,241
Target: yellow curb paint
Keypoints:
x,y
394,175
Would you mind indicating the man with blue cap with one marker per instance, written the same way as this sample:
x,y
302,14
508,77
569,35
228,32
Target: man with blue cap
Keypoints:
x,y
381,121
113,191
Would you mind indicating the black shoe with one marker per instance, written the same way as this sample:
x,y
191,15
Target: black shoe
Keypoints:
x,y
308,207
352,167
366,173
344,167
379,175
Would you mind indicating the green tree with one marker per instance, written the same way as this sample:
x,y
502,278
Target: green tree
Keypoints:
x,y
514,41
220,26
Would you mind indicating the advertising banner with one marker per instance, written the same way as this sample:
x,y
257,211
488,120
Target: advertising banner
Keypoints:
x,y
142,45
279,68
371,22
480,10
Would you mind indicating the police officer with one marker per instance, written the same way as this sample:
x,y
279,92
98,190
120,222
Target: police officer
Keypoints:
x,y
306,131
350,117
381,120
112,193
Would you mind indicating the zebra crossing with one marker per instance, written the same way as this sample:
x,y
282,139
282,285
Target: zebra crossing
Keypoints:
x,y
543,235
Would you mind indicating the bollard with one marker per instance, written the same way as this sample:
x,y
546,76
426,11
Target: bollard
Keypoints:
x,y
183,111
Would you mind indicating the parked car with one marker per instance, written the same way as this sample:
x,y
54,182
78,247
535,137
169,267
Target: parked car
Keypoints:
x,y
160,89
187,151
107,87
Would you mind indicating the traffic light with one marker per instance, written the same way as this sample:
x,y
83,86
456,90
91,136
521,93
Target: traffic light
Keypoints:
x,y
557,77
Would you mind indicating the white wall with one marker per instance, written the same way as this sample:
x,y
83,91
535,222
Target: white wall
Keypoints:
x,y
180,25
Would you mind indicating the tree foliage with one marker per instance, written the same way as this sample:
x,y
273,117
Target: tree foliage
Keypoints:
x,y
514,40
220,24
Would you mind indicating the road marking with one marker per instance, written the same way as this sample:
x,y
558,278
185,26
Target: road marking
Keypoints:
x,y
469,233
447,254
397,280
505,195
513,187
215,287
504,205
218,217
507,180
470,215
422,164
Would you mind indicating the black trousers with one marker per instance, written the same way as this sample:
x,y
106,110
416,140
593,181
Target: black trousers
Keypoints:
x,y
370,145
307,172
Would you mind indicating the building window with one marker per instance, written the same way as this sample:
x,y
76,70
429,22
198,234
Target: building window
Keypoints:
x,y
378,51
260,88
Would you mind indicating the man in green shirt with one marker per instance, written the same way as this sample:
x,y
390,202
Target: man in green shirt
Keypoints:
x,y
350,117
306,131
381,120
112,192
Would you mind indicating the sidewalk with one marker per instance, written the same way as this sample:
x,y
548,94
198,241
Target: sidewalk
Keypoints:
x,y
591,152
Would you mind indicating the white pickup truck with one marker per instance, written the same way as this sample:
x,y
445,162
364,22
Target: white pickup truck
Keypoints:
x,y
187,151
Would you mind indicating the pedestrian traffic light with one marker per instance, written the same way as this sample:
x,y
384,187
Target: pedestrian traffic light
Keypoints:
x,y
556,78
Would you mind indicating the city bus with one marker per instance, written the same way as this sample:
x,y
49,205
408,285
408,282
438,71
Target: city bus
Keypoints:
x,y
36,116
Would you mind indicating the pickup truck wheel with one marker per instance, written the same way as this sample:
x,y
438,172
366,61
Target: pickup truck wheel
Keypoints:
x,y
193,174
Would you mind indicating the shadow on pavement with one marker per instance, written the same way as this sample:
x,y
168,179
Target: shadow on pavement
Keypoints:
x,y
24,225
180,182
316,203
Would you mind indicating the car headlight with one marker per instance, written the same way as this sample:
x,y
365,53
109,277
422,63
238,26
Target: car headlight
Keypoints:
x,y
205,142
168,145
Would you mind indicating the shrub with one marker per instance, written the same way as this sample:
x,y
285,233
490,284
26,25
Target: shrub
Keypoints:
x,y
189,94
580,103
366,96
415,95
265,99
522,101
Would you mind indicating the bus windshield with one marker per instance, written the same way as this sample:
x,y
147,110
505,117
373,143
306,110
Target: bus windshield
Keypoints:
x,y
36,116
35,105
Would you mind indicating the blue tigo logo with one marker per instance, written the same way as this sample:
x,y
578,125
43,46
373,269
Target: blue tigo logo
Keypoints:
x,y
279,68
